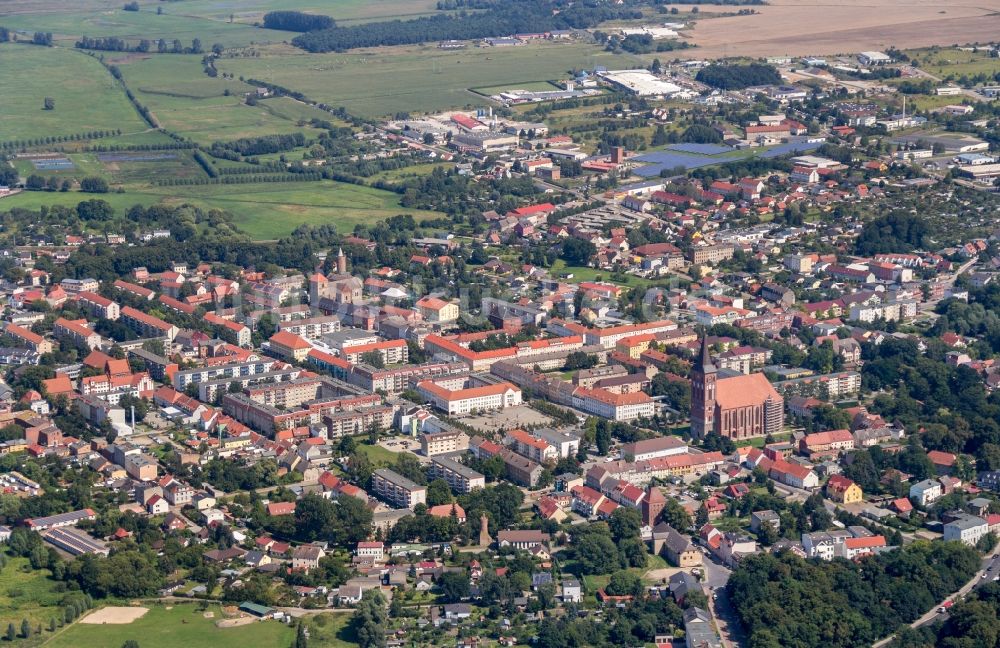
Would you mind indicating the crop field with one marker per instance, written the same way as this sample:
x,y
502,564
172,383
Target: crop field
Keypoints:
x,y
418,79
86,96
186,101
180,626
801,27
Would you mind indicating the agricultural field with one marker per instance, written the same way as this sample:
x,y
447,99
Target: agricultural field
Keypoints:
x,y
380,82
179,626
811,27
345,12
186,101
87,98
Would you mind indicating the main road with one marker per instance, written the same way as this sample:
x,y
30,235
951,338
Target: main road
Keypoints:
x,y
989,570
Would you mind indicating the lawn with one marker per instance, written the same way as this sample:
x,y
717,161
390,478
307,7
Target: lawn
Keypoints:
x,y
74,80
27,594
417,78
377,454
182,626
331,630
186,101
265,211
559,268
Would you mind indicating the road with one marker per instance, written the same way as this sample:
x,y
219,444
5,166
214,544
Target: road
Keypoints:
x,y
716,577
990,569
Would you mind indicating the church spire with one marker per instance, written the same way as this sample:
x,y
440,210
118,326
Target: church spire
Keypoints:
x,y
705,361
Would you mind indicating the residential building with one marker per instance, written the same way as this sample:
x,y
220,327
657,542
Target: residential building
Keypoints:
x,y
398,490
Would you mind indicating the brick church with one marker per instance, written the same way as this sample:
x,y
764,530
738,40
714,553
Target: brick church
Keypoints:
x,y
738,406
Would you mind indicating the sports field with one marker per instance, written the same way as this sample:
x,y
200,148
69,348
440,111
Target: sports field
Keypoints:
x,y
419,78
182,626
87,98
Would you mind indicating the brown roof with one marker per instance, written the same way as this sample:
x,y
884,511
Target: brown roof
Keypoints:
x,y
744,391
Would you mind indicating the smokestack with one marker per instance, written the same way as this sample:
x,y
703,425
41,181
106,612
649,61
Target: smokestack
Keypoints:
x,y
133,419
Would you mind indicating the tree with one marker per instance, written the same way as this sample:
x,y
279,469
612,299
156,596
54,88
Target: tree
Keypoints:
x,y
438,492
454,586
11,632
603,439
625,523
94,184
676,515
25,628
50,103
300,636
596,552
373,358
577,252
370,619
132,643
624,583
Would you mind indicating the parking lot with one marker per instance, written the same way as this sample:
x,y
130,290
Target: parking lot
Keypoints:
x,y
518,416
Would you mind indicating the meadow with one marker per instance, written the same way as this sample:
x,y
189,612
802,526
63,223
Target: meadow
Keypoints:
x,y
87,98
186,101
264,211
180,626
27,594
68,26
380,82
952,63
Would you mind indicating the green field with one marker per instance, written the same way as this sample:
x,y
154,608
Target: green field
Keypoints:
x,y
265,210
952,62
27,594
417,79
67,27
186,101
343,11
182,626
86,96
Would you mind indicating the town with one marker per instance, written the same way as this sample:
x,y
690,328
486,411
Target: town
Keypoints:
x,y
657,352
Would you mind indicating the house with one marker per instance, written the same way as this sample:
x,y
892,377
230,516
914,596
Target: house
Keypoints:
x,y
682,583
679,549
843,490
571,591
307,557
698,629
375,550
456,611
926,492
968,529
522,539
759,518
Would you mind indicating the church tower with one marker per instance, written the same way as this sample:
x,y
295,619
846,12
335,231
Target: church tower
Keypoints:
x,y
341,261
703,383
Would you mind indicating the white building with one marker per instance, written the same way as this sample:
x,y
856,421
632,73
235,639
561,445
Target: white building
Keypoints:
x,y
968,529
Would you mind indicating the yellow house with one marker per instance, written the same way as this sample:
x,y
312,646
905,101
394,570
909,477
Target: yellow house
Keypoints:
x,y
843,490
635,345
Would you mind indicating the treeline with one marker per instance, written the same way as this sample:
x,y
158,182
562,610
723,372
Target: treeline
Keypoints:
x,y
737,77
257,145
55,139
243,179
784,600
297,21
116,148
525,16
728,3
114,44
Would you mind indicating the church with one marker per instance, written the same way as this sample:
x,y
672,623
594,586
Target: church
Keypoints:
x,y
737,406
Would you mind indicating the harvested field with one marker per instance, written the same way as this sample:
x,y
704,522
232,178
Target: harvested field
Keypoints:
x,y
114,615
799,27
